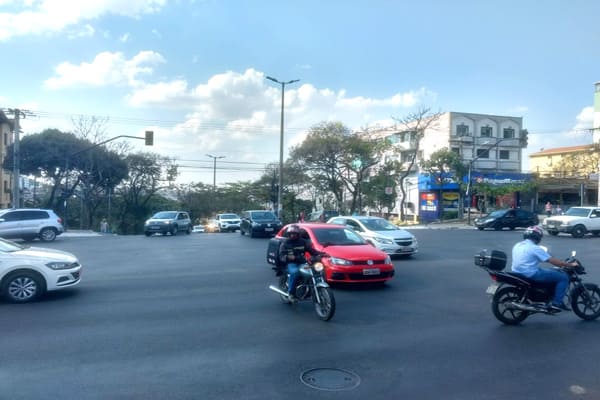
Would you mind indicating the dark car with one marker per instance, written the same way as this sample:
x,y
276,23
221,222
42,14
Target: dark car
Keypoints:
x,y
259,223
510,218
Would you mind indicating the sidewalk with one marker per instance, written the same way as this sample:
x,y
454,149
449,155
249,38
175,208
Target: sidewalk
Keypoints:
x,y
81,233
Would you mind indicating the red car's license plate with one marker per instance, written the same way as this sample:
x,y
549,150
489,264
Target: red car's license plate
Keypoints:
x,y
371,271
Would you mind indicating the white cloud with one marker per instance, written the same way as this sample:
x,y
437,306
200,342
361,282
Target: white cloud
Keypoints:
x,y
47,16
124,38
82,31
106,69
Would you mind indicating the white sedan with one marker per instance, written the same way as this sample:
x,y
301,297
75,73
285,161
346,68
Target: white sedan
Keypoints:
x,y
26,273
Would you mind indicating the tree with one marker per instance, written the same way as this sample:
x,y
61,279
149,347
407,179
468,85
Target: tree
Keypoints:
x,y
148,173
415,124
375,189
335,160
442,164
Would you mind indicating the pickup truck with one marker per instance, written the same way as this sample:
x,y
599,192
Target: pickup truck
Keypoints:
x,y
577,221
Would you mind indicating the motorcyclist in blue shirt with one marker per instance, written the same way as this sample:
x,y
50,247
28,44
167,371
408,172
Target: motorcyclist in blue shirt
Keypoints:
x,y
526,256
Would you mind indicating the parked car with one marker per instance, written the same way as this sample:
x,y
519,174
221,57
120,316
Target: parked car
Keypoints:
x,y
29,224
198,229
26,273
381,233
351,258
577,221
510,218
168,222
321,216
228,222
259,223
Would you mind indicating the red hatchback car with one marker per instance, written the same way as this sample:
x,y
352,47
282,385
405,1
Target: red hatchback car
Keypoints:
x,y
351,258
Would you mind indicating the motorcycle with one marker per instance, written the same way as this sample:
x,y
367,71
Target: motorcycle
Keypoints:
x,y
514,297
310,285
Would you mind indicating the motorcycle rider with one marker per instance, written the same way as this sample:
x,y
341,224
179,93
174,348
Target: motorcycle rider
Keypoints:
x,y
292,252
526,256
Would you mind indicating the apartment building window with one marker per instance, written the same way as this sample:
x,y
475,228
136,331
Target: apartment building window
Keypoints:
x,y
483,153
393,139
6,188
406,156
462,130
508,133
420,155
504,155
5,138
486,131
455,150
409,136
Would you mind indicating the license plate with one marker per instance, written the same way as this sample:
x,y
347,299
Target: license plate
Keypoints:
x,y
371,271
268,229
155,227
492,288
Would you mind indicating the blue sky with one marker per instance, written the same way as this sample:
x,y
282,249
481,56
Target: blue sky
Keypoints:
x,y
194,71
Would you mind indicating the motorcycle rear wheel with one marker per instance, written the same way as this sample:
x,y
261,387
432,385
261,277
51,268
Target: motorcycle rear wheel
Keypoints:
x,y
501,309
324,303
586,303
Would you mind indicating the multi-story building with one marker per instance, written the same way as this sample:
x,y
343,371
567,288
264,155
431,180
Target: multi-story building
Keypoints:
x,y
491,146
6,128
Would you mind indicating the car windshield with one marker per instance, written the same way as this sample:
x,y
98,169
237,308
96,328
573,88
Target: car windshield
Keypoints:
x,y
578,212
6,246
337,237
229,216
263,215
165,215
498,213
378,224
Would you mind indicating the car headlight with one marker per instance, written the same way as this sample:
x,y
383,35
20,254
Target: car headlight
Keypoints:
x,y
56,265
488,220
339,261
383,240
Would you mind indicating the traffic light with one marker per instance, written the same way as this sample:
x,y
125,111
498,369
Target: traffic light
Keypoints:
x,y
149,138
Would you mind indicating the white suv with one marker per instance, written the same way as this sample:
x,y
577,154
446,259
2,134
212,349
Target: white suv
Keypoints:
x,y
29,224
228,222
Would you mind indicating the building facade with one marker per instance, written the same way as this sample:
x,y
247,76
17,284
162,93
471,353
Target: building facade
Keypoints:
x,y
491,145
6,128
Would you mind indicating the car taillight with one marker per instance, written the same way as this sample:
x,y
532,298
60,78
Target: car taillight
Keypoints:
x,y
59,220
494,277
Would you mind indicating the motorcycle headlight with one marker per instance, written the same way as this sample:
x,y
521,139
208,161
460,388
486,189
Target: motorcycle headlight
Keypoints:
x,y
318,266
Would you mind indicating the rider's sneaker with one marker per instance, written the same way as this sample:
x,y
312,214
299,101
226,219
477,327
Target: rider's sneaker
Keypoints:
x,y
292,299
560,307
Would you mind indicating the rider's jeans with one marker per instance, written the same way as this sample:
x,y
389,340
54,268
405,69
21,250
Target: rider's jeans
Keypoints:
x,y
293,272
551,275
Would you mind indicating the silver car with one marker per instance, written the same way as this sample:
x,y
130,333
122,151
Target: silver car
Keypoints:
x,y
381,233
29,224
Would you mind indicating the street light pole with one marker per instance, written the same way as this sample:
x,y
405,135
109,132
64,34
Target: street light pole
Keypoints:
x,y
214,170
279,202
468,192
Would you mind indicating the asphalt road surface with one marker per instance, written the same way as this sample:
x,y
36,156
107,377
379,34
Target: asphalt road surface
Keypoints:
x,y
190,317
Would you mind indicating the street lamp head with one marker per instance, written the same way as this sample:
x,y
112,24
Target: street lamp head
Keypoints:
x,y
292,81
272,79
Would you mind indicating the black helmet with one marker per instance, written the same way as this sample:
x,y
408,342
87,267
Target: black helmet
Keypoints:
x,y
293,230
534,233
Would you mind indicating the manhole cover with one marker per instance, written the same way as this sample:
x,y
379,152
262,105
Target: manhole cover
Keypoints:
x,y
330,379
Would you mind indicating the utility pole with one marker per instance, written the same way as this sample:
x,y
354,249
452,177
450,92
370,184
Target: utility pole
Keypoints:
x,y
214,170
279,200
16,183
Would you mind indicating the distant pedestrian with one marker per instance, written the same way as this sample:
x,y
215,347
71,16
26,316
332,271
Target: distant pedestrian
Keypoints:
x,y
301,217
548,209
104,226
558,210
